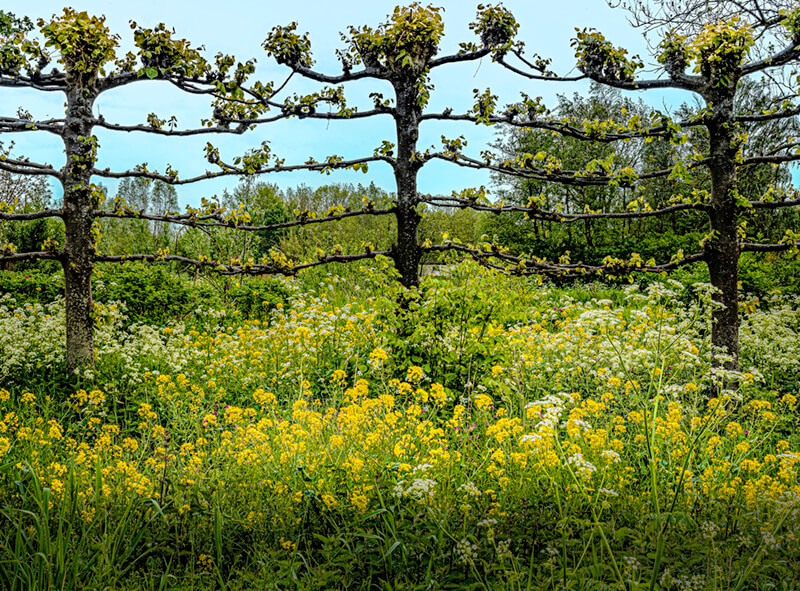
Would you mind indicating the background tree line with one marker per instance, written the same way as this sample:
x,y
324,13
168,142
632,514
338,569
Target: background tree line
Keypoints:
x,y
657,237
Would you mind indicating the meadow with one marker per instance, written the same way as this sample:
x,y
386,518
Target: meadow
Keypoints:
x,y
484,432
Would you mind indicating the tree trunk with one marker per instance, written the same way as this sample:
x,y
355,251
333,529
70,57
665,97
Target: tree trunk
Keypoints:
x,y
78,295
722,251
722,257
78,216
407,252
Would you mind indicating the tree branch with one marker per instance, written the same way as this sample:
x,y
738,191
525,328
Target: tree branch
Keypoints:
x,y
26,167
560,127
343,258
56,255
756,247
543,76
577,178
355,114
239,269
229,170
16,125
752,118
460,57
534,212
540,267
36,215
781,58
51,82
340,79
239,129
774,204
215,266
194,220
773,159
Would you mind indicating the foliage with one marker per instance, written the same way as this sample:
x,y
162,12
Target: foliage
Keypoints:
x,y
31,286
27,195
313,452
150,294
767,275
453,328
83,42
257,297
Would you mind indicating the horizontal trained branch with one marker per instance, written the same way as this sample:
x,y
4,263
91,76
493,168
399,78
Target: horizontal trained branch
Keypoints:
x,y
578,178
14,257
230,170
523,266
26,167
238,130
194,220
286,268
460,57
776,60
343,258
311,74
565,129
757,247
541,76
549,215
768,116
34,215
771,159
212,265
22,124
774,204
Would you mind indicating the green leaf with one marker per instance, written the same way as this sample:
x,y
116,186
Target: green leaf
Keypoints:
x,y
392,549
151,73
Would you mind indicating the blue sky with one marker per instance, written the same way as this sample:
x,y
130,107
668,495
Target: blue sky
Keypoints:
x,y
238,27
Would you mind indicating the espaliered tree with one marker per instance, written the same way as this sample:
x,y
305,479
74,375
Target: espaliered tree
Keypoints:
x,y
75,54
403,52
712,53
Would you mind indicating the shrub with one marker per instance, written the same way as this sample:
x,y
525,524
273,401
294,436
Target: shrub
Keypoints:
x,y
257,297
32,286
150,293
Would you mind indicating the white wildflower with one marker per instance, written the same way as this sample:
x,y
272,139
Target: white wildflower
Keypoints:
x,y
466,551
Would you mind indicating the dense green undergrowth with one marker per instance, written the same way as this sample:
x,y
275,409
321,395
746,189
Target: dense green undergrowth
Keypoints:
x,y
314,434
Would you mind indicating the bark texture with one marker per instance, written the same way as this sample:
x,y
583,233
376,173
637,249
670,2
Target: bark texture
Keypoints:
x,y
722,251
78,261
407,252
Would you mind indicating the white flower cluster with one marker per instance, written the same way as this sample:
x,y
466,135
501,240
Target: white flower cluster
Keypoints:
x,y
551,407
622,343
770,541
582,425
419,489
32,339
504,550
788,459
709,530
610,455
632,562
530,438
769,336
687,583
583,466
466,551
470,489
